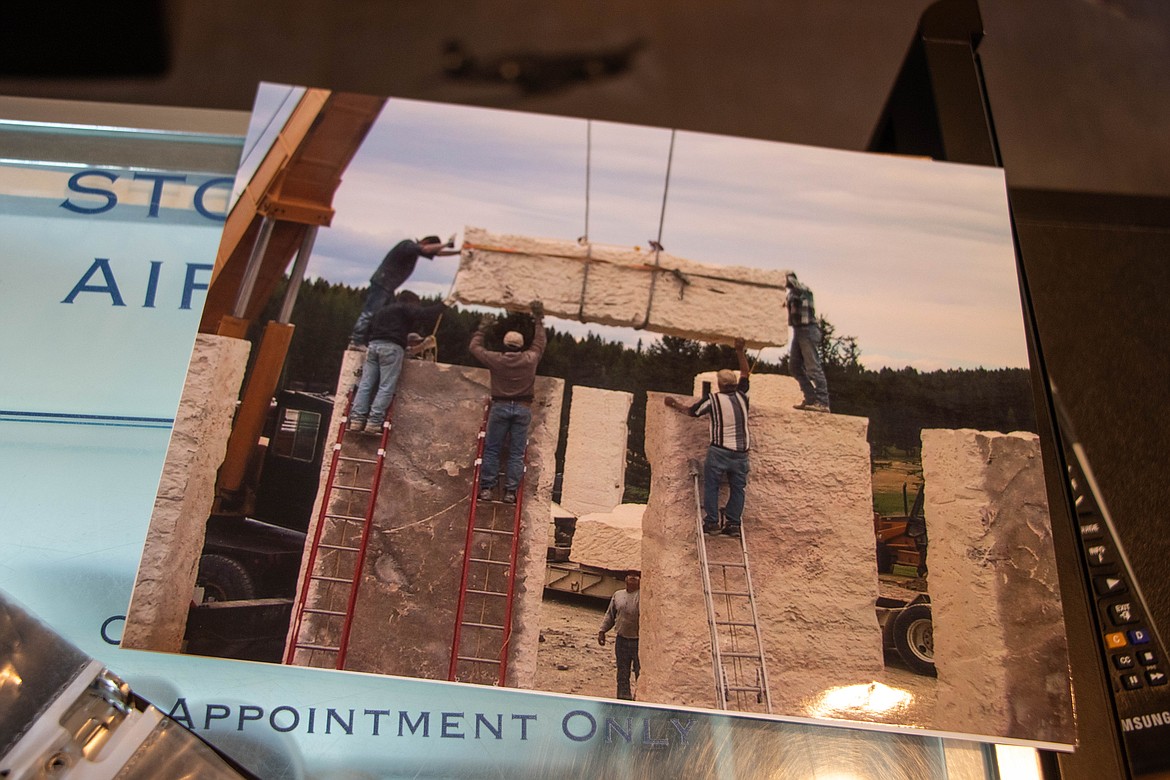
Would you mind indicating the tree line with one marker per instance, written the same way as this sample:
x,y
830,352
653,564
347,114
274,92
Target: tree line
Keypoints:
x,y
898,402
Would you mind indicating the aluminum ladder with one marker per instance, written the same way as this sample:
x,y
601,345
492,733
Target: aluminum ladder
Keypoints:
x,y
737,647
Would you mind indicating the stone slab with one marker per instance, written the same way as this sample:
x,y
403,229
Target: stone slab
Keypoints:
x,y
809,529
999,638
163,588
404,620
610,540
779,390
623,286
595,454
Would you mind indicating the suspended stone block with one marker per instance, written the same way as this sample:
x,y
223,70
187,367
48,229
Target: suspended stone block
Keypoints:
x,y
999,637
624,286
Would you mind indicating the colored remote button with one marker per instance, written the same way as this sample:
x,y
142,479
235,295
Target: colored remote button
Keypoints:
x,y
1115,640
1138,636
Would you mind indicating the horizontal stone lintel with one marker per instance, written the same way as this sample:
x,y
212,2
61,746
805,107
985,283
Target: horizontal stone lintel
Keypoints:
x,y
627,287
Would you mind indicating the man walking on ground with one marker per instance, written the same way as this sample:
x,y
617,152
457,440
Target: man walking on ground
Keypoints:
x,y
388,334
396,268
513,380
622,615
804,357
730,442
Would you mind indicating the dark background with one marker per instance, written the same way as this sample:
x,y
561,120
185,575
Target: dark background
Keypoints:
x,y
1079,94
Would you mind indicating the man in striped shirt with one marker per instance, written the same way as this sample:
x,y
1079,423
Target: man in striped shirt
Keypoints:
x,y
727,454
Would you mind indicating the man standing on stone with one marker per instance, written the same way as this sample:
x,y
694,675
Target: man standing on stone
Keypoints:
x,y
513,380
804,356
389,330
622,615
396,268
728,452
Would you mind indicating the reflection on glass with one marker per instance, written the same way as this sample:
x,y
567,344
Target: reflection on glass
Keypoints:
x,y
857,700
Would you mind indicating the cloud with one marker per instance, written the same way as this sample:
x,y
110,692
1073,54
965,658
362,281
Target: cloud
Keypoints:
x,y
912,257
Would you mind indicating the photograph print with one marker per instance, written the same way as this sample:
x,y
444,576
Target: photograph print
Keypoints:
x,y
617,412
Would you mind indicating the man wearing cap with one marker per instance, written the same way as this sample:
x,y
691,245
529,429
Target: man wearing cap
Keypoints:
x,y
396,268
728,452
622,616
513,380
804,356
389,331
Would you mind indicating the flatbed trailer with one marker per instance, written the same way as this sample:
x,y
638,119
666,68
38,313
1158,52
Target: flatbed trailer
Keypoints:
x,y
571,577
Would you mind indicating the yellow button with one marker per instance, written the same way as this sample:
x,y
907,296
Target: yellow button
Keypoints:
x,y
1115,640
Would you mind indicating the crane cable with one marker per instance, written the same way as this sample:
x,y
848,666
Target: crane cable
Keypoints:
x,y
661,222
584,239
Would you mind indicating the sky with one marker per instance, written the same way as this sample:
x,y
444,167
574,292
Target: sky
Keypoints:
x,y
912,257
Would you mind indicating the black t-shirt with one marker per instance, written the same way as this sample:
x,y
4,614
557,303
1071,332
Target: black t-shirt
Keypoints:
x,y
394,321
397,265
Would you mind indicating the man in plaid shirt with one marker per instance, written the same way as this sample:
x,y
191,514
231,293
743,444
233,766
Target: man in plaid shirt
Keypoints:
x,y
804,357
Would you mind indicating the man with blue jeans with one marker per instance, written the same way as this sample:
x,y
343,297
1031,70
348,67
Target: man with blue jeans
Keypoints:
x,y
727,455
513,383
395,268
804,356
389,330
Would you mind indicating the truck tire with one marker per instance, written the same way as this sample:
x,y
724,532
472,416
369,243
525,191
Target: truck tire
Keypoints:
x,y
914,638
224,579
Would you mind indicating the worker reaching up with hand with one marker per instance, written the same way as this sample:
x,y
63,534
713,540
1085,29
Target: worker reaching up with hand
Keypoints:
x,y
513,383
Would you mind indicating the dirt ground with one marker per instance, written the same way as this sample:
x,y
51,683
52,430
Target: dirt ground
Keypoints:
x,y
569,659
890,475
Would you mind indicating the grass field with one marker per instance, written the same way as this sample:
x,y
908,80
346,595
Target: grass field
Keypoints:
x,y
889,475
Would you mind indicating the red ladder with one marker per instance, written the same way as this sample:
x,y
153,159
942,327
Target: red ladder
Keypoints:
x,y
337,553
483,618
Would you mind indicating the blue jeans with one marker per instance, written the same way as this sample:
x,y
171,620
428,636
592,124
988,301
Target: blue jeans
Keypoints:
x,y
376,298
507,419
626,652
735,466
379,380
804,361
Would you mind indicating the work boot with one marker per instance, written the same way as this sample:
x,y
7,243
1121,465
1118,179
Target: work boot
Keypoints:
x,y
731,529
373,427
818,408
357,423
485,494
711,528
509,496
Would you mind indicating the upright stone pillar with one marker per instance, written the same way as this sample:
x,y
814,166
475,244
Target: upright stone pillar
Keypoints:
x,y
157,617
404,619
595,455
999,639
809,529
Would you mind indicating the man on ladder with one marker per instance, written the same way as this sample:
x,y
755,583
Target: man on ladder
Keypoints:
x,y
384,356
728,452
513,379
